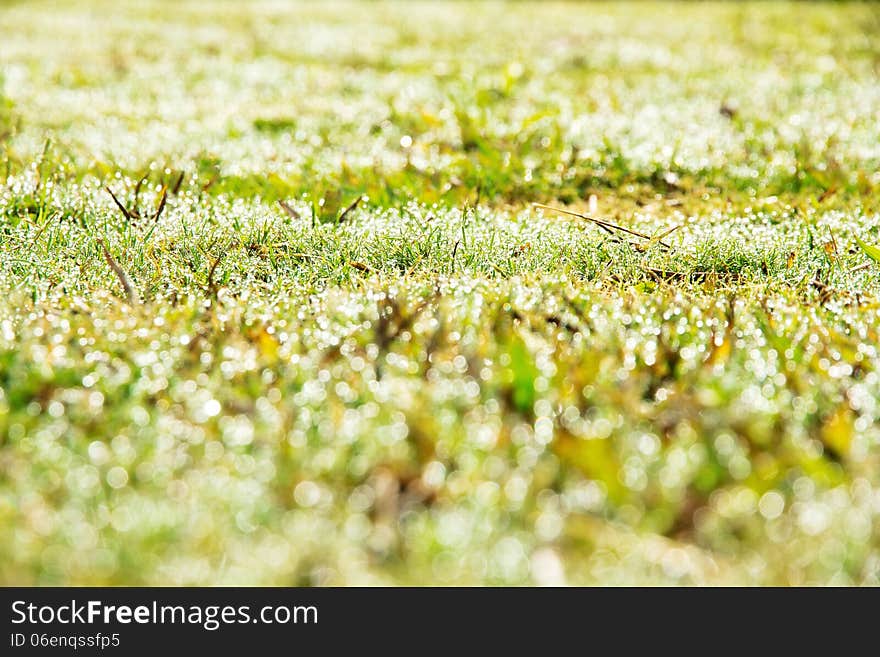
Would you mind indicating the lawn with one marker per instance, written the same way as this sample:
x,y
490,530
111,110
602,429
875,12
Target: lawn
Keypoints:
x,y
287,297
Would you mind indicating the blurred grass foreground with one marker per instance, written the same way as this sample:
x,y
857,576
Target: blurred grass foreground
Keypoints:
x,y
277,305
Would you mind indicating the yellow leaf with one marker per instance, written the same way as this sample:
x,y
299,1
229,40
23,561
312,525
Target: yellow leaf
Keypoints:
x,y
837,431
720,348
265,342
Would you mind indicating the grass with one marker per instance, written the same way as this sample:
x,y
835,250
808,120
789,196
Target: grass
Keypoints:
x,y
278,306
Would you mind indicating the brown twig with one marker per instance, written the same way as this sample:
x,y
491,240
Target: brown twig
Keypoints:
x,y
212,287
607,226
293,214
599,223
130,293
119,205
658,239
351,207
137,191
211,182
161,204
177,184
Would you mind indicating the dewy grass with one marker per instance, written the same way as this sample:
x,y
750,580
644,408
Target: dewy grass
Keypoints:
x,y
318,333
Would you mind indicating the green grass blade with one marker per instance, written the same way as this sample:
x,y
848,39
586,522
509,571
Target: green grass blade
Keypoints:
x,y
873,252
